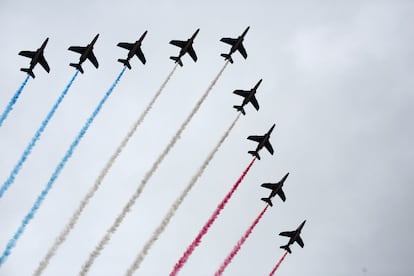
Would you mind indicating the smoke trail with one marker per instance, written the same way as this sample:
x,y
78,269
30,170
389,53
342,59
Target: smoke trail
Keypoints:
x,y
12,242
239,244
35,138
104,241
13,100
73,220
278,264
181,262
164,223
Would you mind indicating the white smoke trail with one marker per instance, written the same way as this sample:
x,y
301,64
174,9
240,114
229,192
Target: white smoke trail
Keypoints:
x,y
104,241
75,217
164,223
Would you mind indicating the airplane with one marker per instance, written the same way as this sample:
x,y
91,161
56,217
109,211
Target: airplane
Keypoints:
x,y
186,47
249,96
37,57
134,49
86,53
276,190
294,237
263,142
236,45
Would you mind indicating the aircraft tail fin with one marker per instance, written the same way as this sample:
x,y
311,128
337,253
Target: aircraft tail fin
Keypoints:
x,y
177,60
77,66
255,154
125,62
267,200
227,57
287,248
28,71
240,108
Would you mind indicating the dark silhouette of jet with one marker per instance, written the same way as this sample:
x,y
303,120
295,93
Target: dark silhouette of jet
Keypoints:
x,y
134,49
236,45
249,96
186,47
37,57
276,190
86,53
263,142
294,237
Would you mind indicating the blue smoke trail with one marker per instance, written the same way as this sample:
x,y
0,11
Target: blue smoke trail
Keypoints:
x,y
13,100
35,138
12,242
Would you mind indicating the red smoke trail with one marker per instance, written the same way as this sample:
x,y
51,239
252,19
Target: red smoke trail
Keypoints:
x,y
278,264
239,244
181,262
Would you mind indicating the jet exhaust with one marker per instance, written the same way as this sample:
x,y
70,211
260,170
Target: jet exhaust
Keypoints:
x,y
13,101
177,203
239,244
104,241
35,138
42,196
85,201
278,264
181,262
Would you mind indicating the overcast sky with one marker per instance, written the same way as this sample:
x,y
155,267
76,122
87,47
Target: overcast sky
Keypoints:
x,y
337,81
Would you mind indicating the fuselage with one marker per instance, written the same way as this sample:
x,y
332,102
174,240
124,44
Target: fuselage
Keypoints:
x,y
38,54
188,44
134,49
88,50
297,233
185,48
137,45
274,191
263,142
236,45
239,41
249,97
265,139
36,57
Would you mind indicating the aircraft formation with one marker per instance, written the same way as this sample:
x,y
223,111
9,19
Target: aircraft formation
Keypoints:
x,y
186,47
134,49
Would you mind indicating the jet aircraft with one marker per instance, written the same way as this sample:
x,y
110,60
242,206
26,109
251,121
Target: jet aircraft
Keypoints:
x,y
276,190
134,49
294,237
86,53
236,45
186,47
249,96
37,57
263,142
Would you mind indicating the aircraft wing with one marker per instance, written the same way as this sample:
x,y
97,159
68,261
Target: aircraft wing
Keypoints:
x,y
229,40
242,51
44,64
77,49
299,241
269,147
125,45
140,55
93,59
254,102
28,54
192,53
287,234
271,186
255,138
281,194
178,43
242,93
